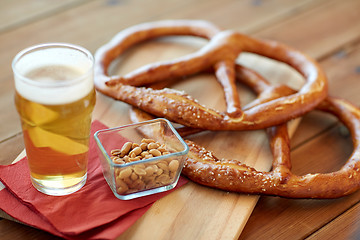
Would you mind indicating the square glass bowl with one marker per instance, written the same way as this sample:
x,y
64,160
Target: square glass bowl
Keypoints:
x,y
139,174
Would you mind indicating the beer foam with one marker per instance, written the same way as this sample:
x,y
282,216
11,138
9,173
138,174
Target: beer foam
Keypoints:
x,y
53,75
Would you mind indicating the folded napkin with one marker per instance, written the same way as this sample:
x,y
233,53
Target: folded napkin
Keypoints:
x,y
93,212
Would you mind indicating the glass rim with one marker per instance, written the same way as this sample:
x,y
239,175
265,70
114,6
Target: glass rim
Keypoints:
x,y
30,49
119,128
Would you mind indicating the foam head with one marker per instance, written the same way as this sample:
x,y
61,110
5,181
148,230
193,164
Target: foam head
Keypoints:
x,y
53,73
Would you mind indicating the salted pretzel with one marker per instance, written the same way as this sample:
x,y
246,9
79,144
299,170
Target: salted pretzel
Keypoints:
x,y
203,167
275,105
219,54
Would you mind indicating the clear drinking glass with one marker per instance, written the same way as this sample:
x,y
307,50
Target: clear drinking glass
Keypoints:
x,y
55,97
150,175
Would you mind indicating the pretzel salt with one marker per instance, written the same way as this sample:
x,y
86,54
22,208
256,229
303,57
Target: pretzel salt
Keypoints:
x,y
273,107
203,167
220,55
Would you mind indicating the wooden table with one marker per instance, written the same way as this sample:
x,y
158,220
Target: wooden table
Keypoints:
x,y
327,30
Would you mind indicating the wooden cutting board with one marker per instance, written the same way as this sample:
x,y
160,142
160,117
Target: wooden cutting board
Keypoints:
x,y
194,211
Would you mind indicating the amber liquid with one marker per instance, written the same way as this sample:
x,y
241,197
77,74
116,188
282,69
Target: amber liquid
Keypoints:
x,y
56,139
56,135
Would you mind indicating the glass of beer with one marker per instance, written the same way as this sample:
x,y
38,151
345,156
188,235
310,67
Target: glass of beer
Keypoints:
x,y
55,97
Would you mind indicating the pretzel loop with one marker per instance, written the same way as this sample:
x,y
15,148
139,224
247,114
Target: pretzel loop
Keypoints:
x,y
274,106
222,48
203,167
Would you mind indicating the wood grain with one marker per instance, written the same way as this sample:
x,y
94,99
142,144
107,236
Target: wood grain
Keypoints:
x,y
343,227
303,216
17,231
91,31
329,30
340,63
248,147
17,13
326,30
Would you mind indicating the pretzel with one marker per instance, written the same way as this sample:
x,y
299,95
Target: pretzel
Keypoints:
x,y
203,167
219,54
230,175
274,106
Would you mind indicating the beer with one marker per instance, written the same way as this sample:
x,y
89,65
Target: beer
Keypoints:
x,y
55,100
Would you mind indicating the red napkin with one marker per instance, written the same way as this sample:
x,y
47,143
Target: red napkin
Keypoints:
x,y
91,213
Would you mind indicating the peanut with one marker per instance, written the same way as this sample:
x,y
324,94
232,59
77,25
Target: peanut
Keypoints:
x,y
134,145
162,149
132,155
140,171
125,173
163,179
155,152
125,149
174,165
134,176
126,159
145,140
137,158
144,153
115,152
163,166
143,146
121,186
136,150
118,160
143,176
159,171
150,170
152,145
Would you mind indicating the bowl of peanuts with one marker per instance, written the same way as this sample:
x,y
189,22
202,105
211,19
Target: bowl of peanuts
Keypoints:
x,y
142,158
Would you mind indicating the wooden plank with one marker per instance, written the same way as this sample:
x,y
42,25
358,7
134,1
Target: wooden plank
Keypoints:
x,y
246,16
96,14
92,40
66,22
13,146
181,204
172,211
321,30
331,35
342,70
16,13
15,231
295,219
346,226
